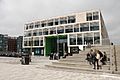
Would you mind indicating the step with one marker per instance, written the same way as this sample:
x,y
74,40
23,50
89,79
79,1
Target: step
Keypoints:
x,y
77,68
85,64
72,60
77,57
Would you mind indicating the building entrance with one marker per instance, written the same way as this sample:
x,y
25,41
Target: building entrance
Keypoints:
x,y
56,44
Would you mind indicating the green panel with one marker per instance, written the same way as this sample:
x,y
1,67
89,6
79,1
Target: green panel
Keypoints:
x,y
51,44
47,46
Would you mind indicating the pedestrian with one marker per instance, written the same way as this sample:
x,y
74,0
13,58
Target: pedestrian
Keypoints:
x,y
89,57
93,58
104,58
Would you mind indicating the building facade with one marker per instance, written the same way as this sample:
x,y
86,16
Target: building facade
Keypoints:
x,y
19,44
3,42
12,44
66,33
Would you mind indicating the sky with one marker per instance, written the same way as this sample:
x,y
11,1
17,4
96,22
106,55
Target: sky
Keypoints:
x,y
15,13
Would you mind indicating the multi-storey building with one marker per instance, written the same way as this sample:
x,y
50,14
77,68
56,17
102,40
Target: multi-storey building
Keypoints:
x,y
65,33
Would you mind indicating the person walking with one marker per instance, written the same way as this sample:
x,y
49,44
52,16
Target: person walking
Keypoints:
x,y
97,58
89,57
93,58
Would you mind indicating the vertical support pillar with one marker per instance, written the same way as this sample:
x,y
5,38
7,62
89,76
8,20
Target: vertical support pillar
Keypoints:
x,y
113,63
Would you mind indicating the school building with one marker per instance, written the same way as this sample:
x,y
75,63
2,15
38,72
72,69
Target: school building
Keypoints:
x,y
67,33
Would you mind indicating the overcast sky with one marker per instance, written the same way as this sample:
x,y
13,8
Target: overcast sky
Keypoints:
x,y
15,13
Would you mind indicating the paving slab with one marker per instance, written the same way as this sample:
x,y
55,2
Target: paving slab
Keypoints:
x,y
38,71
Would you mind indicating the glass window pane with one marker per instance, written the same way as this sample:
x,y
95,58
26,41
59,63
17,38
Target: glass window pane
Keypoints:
x,y
40,32
53,30
95,15
97,38
94,26
56,21
37,24
45,31
63,20
79,39
71,19
89,16
88,38
76,28
60,29
36,41
50,23
68,28
73,39
41,41
43,23
84,27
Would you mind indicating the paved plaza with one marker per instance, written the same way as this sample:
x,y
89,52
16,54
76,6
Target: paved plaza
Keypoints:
x,y
11,69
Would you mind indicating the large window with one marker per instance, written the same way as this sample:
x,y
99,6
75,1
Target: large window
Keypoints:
x,y
71,19
88,38
63,20
72,39
68,28
37,24
97,38
92,16
40,32
79,39
43,23
76,28
84,27
25,42
50,22
53,30
45,31
94,26
56,21
36,41
27,34
30,42
26,26
89,16
60,29
41,41
95,15
35,33
31,25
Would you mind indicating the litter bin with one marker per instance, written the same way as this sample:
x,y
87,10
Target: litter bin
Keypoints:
x,y
25,59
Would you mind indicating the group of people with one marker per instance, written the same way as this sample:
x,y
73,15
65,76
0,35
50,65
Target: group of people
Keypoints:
x,y
96,58
54,56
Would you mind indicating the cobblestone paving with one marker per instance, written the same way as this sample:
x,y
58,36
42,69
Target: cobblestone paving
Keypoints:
x,y
11,69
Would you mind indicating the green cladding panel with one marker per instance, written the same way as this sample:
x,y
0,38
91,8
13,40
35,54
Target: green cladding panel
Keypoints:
x,y
51,44
47,46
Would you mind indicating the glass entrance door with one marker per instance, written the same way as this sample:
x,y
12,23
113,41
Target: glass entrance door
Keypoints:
x,y
62,46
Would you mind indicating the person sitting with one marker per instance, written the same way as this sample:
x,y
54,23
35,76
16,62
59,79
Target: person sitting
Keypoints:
x,y
51,56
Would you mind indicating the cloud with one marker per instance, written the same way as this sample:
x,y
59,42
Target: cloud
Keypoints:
x,y
15,13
